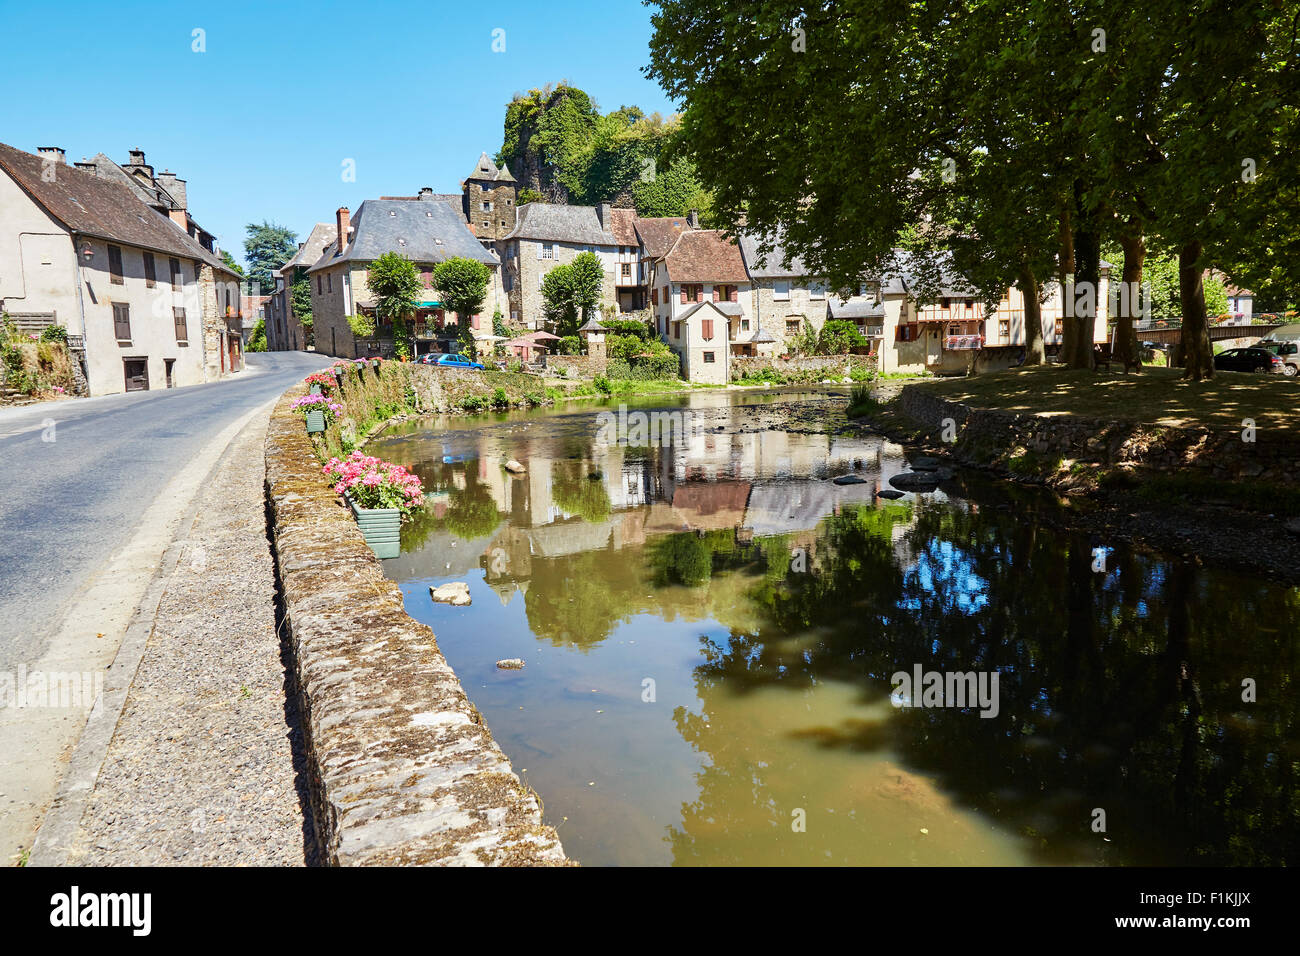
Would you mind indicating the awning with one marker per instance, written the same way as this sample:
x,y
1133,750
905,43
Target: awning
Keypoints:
x,y
428,305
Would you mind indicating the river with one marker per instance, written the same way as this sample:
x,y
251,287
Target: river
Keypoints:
x,y
710,627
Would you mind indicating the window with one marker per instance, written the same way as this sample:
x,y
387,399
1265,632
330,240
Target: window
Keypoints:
x,y
514,315
781,290
908,333
791,326
122,321
150,271
1004,329
178,283
487,207
817,290
548,250
318,288
677,330
329,282
706,329
744,325
627,270
654,296
182,329
708,358
115,266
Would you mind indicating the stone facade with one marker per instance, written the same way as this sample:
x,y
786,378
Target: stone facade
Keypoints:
x,y
524,267
498,219
784,307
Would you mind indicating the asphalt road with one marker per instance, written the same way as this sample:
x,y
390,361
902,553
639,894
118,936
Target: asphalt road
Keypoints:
x,y
68,504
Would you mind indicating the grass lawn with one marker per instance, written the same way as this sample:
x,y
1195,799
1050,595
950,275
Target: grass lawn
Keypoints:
x,y
1155,396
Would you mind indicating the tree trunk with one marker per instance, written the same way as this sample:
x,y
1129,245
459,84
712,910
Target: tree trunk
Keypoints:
x,y
1034,353
1066,279
1135,252
1087,274
1198,356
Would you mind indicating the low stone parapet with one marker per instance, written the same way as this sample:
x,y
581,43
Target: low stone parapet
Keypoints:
x,y
402,768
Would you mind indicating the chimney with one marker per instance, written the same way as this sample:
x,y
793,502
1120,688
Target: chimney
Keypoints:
x,y
137,157
426,193
343,219
693,219
179,217
55,151
603,214
174,186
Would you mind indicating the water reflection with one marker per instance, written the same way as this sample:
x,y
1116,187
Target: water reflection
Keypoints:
x,y
769,607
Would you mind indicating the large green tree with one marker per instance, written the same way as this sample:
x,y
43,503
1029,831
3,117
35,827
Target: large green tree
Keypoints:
x,y
395,286
571,292
266,248
462,285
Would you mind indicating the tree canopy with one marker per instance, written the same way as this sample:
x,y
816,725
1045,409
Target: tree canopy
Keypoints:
x,y
461,284
266,248
572,291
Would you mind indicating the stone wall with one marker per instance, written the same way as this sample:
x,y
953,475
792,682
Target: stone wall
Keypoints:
x,y
402,770
578,366
995,438
828,366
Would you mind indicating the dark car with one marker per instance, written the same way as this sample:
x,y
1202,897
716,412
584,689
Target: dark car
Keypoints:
x,y
1248,360
456,361
1288,352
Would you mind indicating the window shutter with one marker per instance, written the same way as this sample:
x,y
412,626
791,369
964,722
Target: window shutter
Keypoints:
x,y
150,271
122,321
735,295
706,329
182,332
115,265
177,281
716,293
699,293
683,295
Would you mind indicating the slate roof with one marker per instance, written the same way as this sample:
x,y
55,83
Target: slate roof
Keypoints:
x,y
551,223
323,235
705,255
658,235
857,307
773,265
591,325
486,170
422,230
102,208
622,224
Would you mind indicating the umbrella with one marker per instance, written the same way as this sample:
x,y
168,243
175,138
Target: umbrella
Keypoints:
x,y
489,338
537,336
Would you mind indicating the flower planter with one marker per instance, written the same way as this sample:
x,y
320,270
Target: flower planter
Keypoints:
x,y
315,422
315,389
381,526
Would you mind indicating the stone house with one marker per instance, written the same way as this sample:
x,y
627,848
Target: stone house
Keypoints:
x,y
655,238
630,288
545,236
786,299
705,266
284,329
145,304
428,231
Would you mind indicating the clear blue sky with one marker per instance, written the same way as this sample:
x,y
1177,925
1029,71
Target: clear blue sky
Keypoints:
x,y
260,124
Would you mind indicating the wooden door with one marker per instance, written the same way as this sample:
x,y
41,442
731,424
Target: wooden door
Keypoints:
x,y
137,374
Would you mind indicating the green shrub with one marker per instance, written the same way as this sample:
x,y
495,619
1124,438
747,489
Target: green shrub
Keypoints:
x,y
500,399
629,327
602,385
473,403
570,345
55,333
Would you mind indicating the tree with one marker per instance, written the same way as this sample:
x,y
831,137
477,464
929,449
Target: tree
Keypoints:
x,y
300,303
838,336
266,248
230,262
395,285
462,285
570,292
257,338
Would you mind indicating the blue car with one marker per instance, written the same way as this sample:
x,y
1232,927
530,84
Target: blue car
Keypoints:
x,y
456,361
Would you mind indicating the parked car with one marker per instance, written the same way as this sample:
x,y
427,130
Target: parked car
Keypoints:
x,y
1288,352
456,361
1248,360
428,358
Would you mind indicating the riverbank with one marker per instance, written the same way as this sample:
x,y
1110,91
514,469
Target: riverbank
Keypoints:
x,y
1206,471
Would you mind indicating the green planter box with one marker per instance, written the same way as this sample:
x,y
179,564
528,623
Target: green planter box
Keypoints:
x,y
381,526
315,422
315,389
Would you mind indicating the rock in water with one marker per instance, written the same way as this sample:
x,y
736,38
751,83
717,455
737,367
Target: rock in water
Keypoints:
x,y
514,467
457,593
510,664
849,480
915,481
925,463
889,493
